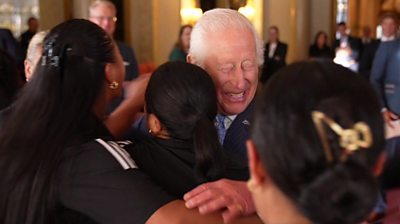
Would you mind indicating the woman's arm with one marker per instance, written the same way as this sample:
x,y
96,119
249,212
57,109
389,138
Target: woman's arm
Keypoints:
x,y
175,212
122,118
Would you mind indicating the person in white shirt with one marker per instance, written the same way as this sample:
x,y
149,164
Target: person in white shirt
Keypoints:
x,y
274,55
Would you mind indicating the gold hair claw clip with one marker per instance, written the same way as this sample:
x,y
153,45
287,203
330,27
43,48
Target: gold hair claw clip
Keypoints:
x,y
352,139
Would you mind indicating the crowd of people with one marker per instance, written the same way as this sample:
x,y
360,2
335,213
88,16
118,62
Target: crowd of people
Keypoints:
x,y
89,140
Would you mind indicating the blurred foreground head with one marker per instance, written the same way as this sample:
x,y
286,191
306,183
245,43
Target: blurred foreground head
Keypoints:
x,y
317,134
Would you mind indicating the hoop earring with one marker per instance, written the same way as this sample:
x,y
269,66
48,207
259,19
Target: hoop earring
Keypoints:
x,y
114,85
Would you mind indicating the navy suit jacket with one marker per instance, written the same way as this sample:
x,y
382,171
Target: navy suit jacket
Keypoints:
x,y
385,74
367,57
237,135
130,62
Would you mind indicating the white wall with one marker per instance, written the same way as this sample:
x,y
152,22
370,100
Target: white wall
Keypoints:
x,y
166,21
153,27
292,17
51,13
80,9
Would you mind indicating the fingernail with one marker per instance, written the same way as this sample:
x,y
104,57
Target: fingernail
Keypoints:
x,y
188,204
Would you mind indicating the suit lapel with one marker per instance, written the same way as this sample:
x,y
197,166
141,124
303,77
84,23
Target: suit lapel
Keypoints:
x,y
238,133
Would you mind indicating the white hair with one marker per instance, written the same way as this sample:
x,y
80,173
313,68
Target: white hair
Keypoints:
x,y
35,44
94,4
220,20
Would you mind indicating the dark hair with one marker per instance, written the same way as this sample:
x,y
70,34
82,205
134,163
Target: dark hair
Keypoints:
x,y
292,151
9,79
183,98
179,43
52,113
390,15
341,24
30,19
274,28
319,34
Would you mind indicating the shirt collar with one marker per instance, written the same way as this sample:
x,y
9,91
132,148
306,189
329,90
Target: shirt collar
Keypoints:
x,y
384,39
229,120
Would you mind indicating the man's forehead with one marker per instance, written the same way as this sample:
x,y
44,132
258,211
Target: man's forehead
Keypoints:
x,y
227,54
226,36
99,9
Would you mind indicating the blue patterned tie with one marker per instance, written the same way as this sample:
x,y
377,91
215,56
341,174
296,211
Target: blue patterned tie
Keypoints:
x,y
220,124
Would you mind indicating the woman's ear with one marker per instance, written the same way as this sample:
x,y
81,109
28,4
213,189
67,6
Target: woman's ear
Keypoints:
x,y
155,127
112,82
109,73
257,170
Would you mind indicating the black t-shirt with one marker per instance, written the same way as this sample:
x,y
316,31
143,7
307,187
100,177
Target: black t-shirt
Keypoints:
x,y
103,185
170,163
100,185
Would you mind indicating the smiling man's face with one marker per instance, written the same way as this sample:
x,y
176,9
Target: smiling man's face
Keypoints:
x,y
232,63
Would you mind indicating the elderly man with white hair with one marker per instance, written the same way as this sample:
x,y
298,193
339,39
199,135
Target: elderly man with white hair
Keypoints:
x,y
226,45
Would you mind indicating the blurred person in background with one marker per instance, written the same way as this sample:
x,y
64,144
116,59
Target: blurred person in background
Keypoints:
x,y
104,14
320,47
181,48
9,79
369,47
385,79
385,71
390,25
347,48
9,44
25,38
274,54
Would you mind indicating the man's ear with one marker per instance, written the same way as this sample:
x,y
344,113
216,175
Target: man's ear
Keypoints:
x,y
189,59
28,69
257,170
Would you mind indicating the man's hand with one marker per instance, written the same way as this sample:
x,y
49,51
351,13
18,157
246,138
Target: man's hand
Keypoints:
x,y
231,196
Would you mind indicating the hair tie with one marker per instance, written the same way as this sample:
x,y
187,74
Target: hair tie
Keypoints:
x,y
49,57
350,140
